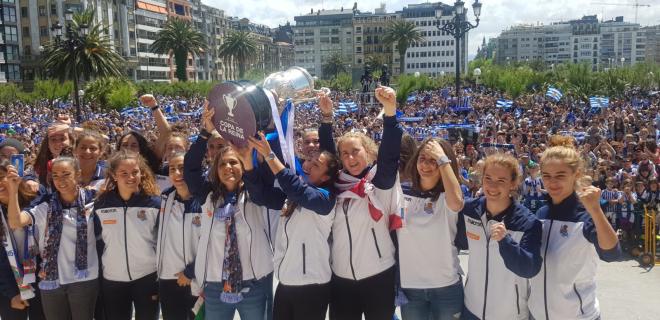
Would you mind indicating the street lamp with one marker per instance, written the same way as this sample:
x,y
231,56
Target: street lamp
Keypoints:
x,y
458,26
75,38
622,61
477,73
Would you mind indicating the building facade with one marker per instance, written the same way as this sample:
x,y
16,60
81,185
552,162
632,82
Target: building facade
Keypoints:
x,y
437,54
10,42
600,44
369,29
652,52
318,35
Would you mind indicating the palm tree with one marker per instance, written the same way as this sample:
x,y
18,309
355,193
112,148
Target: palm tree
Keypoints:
x,y
95,58
180,38
240,46
334,65
403,33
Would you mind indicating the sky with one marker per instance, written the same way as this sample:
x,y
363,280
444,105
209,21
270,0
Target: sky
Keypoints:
x,y
496,15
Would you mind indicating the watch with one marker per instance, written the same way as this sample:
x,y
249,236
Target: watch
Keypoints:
x,y
271,156
443,160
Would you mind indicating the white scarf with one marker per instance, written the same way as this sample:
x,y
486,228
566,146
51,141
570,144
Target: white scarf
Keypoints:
x,y
23,281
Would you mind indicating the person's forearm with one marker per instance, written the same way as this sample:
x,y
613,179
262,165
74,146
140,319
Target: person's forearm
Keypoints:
x,y
164,132
17,219
607,238
275,165
453,193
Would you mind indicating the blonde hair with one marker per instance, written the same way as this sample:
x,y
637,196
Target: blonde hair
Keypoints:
x,y
148,184
562,148
367,143
504,160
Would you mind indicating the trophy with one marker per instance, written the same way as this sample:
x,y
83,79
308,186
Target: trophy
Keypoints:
x,y
242,108
294,83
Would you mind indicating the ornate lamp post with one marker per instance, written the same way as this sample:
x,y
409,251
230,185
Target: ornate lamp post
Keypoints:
x,y
458,27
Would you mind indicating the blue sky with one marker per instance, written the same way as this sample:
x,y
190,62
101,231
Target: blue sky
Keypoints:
x,y
496,15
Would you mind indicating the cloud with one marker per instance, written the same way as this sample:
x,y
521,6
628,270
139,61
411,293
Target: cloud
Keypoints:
x,y
496,16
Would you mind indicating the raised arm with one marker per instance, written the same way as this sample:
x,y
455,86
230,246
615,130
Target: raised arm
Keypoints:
x,y
193,173
390,147
164,129
261,191
326,140
16,217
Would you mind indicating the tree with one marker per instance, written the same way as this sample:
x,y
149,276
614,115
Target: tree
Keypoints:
x,y
178,37
403,33
96,57
240,46
52,90
334,65
375,62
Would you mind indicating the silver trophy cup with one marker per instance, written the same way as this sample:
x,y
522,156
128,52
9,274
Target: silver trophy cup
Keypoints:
x,y
294,83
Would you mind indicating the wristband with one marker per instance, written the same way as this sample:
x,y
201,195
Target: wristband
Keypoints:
x,y
154,108
204,134
325,118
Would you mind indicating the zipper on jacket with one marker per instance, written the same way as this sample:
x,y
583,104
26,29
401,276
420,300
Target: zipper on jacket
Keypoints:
x,y
350,237
304,266
579,297
286,248
254,274
545,272
183,234
517,299
373,232
483,314
128,267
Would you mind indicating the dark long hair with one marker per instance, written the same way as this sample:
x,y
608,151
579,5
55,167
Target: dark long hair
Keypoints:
x,y
411,167
43,156
333,169
145,151
218,189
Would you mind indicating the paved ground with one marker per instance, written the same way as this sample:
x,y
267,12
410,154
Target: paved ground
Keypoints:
x,y
625,290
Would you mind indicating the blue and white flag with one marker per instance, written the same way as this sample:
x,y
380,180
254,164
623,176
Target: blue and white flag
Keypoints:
x,y
554,94
503,103
599,102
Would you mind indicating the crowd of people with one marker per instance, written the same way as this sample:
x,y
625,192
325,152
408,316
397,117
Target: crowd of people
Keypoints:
x,y
144,210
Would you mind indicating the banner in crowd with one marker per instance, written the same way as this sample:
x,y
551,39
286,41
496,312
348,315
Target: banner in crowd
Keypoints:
x,y
599,102
554,94
503,103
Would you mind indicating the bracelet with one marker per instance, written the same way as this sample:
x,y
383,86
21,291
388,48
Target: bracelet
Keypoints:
x,y
204,134
154,108
325,118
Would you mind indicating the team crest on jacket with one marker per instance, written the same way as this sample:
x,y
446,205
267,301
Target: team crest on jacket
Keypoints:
x,y
564,231
142,215
428,207
197,221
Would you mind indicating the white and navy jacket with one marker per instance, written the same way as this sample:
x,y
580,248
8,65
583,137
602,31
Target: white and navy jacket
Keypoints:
x,y
362,247
178,235
429,242
66,257
254,246
566,286
302,251
129,232
496,285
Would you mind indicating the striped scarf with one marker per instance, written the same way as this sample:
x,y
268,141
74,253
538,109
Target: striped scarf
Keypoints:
x,y
232,269
24,273
55,224
361,188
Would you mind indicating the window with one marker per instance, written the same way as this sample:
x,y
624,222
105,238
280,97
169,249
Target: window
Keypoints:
x,y
53,10
12,52
26,32
24,12
42,11
11,33
9,14
43,31
13,72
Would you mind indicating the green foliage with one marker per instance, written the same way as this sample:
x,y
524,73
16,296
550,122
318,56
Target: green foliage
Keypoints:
x,y
52,89
577,80
124,94
333,66
407,83
181,38
98,91
241,47
402,33
95,58
342,82
176,89
8,93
